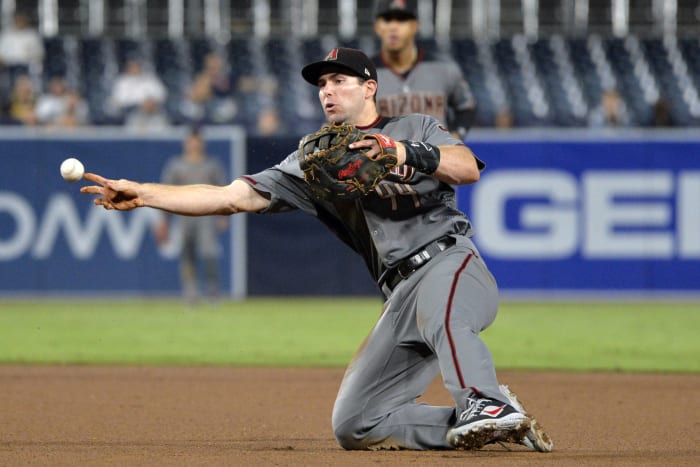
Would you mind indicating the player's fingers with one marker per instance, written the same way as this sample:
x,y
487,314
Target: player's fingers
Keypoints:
x,y
363,143
95,178
107,205
373,152
92,190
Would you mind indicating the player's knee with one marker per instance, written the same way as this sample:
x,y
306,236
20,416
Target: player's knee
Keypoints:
x,y
351,434
355,429
347,425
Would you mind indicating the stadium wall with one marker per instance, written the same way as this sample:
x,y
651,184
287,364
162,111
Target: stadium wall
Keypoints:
x,y
555,214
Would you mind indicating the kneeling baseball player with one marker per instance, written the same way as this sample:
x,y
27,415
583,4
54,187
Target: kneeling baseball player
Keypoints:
x,y
384,187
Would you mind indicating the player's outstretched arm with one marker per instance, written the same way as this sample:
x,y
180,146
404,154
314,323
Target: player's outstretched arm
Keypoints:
x,y
187,200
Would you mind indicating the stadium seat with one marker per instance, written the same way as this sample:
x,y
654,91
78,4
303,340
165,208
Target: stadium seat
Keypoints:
x,y
551,81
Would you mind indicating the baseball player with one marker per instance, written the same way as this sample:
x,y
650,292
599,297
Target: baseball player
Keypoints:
x,y
199,234
413,80
439,294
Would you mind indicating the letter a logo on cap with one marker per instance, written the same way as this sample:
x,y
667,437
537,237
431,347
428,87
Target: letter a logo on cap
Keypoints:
x,y
332,55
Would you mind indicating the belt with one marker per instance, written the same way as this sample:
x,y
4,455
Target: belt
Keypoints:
x,y
408,266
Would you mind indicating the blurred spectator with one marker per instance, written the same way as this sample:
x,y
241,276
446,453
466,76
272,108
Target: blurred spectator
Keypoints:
x,y
61,106
269,122
663,115
611,112
133,87
23,101
21,50
210,97
5,117
200,245
503,119
149,116
258,96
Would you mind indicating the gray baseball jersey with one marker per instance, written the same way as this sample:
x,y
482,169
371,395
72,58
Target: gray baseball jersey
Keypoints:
x,y
199,232
431,319
434,86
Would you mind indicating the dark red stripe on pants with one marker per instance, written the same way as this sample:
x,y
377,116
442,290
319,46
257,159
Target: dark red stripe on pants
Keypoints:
x,y
448,312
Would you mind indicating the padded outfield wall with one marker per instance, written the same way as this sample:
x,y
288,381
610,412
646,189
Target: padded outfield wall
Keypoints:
x,y
54,241
555,214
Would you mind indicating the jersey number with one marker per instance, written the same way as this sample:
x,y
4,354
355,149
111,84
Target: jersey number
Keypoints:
x,y
392,190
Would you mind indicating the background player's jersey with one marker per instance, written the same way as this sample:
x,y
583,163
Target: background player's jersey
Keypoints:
x,y
406,211
434,86
179,171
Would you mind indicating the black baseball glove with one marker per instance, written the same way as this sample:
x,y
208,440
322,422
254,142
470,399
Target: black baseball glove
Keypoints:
x,y
334,172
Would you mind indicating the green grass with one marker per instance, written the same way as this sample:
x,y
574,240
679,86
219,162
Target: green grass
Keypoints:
x,y
650,336
322,332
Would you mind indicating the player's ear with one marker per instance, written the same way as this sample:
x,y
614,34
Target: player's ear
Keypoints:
x,y
370,88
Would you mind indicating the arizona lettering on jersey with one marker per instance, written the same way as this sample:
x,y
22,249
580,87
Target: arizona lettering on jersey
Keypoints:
x,y
434,86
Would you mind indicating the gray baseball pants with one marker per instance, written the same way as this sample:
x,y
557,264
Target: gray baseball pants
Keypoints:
x,y
430,324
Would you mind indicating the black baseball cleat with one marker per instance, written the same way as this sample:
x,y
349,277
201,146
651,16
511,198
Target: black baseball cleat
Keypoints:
x,y
486,421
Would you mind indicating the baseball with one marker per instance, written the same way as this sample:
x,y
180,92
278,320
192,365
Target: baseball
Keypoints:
x,y
72,169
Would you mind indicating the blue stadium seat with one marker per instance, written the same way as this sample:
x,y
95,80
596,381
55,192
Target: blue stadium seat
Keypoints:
x,y
585,70
94,62
629,87
657,57
171,62
127,48
514,82
98,65
239,57
465,53
199,48
55,60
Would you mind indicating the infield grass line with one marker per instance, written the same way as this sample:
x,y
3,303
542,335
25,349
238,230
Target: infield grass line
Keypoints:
x,y
320,332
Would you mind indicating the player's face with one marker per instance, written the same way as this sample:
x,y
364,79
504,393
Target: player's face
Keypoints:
x,y
343,97
194,145
396,34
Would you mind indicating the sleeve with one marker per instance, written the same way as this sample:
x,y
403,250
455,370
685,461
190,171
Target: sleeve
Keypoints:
x,y
285,187
118,99
43,110
157,88
435,133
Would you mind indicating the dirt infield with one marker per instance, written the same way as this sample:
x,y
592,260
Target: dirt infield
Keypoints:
x,y
233,416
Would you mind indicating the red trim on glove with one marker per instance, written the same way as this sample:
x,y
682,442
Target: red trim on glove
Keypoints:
x,y
385,141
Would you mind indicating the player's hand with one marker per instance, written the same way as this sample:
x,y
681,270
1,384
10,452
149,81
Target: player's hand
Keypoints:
x,y
371,145
121,195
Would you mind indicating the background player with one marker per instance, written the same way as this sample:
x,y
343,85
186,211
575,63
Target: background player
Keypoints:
x,y
200,245
416,244
413,80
